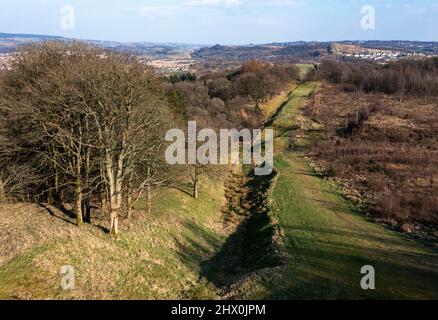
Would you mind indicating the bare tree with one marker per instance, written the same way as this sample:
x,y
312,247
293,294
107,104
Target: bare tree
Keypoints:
x,y
97,121
130,118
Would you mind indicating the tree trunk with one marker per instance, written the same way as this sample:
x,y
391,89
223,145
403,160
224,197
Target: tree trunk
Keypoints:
x,y
133,200
112,183
129,212
57,182
129,199
61,196
79,194
79,199
102,191
79,186
50,196
2,191
113,198
114,212
86,211
114,220
149,199
103,201
195,188
58,197
129,205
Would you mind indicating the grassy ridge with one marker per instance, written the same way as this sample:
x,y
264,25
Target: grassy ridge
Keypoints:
x,y
331,243
159,257
271,106
305,68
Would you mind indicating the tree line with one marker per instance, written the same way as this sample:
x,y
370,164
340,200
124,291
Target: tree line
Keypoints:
x,y
227,98
407,77
81,125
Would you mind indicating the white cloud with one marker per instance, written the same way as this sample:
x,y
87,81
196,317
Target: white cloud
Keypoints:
x,y
214,3
155,11
275,3
158,11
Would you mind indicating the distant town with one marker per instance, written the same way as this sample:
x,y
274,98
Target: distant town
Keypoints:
x,y
174,58
350,52
384,56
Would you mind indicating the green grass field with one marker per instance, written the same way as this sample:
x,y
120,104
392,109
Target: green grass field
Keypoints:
x,y
163,255
304,68
331,243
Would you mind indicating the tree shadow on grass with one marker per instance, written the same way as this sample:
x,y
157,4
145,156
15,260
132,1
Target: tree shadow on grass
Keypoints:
x,y
249,249
254,246
196,246
332,270
68,216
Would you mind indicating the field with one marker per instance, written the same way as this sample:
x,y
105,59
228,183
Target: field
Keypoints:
x,y
288,236
358,143
158,257
305,68
330,242
271,106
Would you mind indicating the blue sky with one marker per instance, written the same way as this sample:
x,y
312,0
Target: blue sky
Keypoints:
x,y
223,21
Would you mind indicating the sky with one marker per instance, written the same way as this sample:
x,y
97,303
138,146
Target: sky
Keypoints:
x,y
223,21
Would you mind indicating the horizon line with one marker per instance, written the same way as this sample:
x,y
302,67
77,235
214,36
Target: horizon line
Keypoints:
x,y
210,44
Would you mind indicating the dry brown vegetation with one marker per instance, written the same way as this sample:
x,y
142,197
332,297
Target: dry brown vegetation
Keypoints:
x,y
404,78
385,152
230,98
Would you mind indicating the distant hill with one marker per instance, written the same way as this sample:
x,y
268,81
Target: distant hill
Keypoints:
x,y
276,52
9,43
28,36
293,52
314,51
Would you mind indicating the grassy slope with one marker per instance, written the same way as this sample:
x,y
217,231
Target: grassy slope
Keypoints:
x,y
158,258
271,106
331,243
161,255
305,68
